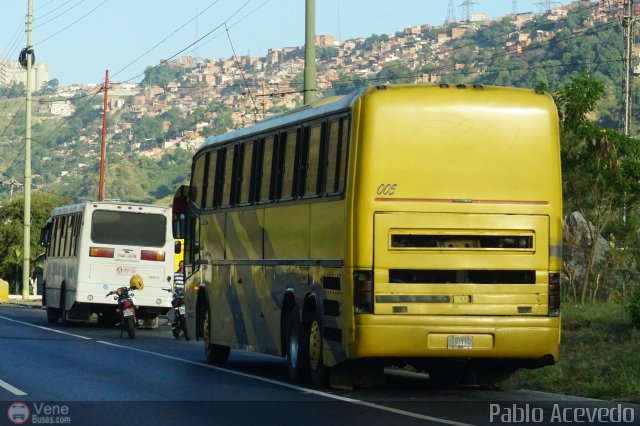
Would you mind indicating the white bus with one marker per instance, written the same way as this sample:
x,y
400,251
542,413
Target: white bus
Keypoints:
x,y
95,247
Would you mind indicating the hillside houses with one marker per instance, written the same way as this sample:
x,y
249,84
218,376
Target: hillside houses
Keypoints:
x,y
270,80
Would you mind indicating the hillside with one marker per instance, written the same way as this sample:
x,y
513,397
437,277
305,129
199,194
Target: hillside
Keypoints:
x,y
154,127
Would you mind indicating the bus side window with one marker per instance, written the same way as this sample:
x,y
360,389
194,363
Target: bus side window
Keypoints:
x,y
288,162
245,177
61,236
197,181
341,172
227,184
313,161
45,236
69,235
54,241
265,179
211,195
76,234
332,158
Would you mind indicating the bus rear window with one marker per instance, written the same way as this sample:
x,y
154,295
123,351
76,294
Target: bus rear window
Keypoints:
x,y
127,228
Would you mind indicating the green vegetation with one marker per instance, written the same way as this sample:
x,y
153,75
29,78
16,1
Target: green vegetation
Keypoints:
x,y
598,356
580,66
11,231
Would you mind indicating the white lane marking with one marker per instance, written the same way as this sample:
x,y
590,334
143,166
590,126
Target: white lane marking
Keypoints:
x,y
295,387
14,390
46,328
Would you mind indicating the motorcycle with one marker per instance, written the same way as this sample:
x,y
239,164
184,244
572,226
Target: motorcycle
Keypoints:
x,y
126,309
179,323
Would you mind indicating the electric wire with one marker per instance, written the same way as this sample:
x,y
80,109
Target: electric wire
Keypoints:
x,y
70,25
241,71
165,39
64,12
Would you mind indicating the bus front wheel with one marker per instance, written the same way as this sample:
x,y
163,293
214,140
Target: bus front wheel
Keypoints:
x,y
215,354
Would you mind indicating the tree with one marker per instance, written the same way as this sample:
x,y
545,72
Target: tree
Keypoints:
x,y
12,230
601,167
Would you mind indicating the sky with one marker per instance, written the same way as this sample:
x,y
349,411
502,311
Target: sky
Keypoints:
x,y
80,39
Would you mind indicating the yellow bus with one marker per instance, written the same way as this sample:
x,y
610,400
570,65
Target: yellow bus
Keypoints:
x,y
400,225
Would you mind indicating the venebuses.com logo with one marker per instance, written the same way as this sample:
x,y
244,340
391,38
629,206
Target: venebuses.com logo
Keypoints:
x,y
18,413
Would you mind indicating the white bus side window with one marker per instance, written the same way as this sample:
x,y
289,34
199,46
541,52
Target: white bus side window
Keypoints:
x,y
62,236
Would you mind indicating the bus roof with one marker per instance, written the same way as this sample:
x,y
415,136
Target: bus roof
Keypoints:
x,y
317,109
79,207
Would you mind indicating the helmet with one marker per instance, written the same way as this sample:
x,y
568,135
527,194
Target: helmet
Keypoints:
x,y
136,282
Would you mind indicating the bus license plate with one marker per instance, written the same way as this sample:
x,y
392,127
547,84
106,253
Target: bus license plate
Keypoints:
x,y
128,313
460,342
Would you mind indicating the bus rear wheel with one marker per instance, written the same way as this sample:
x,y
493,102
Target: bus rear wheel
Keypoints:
x,y
298,348
319,373
215,354
53,314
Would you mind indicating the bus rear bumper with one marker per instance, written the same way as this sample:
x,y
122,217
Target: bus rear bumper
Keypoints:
x,y
504,338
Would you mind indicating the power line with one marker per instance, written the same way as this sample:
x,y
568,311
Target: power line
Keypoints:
x,y
166,38
70,25
164,61
59,15
241,71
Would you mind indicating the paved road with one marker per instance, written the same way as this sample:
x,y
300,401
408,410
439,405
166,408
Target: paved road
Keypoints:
x,y
103,379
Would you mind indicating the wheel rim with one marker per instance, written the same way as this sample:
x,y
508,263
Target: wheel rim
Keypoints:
x,y
315,346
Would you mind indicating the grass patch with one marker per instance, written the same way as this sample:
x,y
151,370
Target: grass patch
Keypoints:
x,y
598,356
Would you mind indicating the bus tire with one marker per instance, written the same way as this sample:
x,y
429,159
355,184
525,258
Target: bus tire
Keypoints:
x,y
319,372
63,301
215,354
53,314
297,348
130,326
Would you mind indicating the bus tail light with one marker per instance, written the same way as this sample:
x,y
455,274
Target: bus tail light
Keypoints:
x,y
100,252
554,294
152,255
362,292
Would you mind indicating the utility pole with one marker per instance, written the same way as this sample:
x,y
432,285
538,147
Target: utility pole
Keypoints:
x,y
627,31
27,162
310,90
104,137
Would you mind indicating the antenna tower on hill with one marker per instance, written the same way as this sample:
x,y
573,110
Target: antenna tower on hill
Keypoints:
x,y
467,5
451,12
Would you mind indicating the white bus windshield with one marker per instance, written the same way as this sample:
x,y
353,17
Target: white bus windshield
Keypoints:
x,y
128,228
